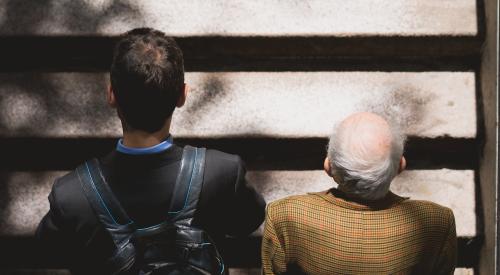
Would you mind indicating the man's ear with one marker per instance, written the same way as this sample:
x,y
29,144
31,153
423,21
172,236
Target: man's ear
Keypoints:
x,y
327,167
110,97
182,96
402,164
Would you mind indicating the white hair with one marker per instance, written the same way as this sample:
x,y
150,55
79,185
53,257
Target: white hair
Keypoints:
x,y
358,175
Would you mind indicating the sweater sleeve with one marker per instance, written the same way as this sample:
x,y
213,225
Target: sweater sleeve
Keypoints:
x,y
447,257
273,254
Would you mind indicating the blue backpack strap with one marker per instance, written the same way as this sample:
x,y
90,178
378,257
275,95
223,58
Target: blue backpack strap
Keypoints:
x,y
110,214
187,186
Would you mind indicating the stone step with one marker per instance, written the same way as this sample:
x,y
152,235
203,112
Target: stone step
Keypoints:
x,y
257,271
243,18
246,104
232,271
23,199
249,35
24,253
23,202
451,188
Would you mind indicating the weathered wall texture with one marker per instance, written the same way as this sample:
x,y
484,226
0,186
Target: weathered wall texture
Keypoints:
x,y
489,257
241,18
451,188
269,79
266,104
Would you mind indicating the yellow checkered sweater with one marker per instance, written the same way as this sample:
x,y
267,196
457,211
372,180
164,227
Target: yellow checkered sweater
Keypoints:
x,y
325,233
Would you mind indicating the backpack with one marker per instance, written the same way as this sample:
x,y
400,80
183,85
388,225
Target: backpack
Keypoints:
x,y
172,247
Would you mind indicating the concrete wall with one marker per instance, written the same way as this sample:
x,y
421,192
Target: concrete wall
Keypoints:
x,y
269,80
260,104
451,188
489,260
241,18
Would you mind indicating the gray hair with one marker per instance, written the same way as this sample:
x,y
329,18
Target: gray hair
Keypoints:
x,y
357,175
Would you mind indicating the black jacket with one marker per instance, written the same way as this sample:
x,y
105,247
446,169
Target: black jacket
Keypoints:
x,y
144,184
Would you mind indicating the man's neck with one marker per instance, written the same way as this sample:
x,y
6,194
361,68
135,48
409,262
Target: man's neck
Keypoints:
x,y
143,139
350,196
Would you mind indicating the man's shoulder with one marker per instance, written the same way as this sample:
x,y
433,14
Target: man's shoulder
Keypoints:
x,y
68,195
295,204
428,206
432,212
223,163
66,184
220,156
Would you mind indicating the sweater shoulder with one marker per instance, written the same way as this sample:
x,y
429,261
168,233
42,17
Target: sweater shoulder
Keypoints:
x,y
295,204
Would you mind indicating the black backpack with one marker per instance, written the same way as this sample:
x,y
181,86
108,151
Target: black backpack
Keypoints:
x,y
172,247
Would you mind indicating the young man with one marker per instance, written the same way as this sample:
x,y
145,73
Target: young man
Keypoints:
x,y
360,227
147,84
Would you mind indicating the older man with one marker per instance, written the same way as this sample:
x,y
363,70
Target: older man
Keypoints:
x,y
360,227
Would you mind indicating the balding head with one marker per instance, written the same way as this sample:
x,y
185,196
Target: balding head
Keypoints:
x,y
364,155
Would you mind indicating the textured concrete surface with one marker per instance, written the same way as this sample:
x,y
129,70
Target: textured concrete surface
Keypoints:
x,y
24,194
241,18
278,104
23,201
236,104
458,271
451,188
34,272
240,271
245,271
488,170
232,271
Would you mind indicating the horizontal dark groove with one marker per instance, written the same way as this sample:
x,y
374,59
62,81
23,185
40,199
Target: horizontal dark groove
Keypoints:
x,y
25,252
38,154
216,53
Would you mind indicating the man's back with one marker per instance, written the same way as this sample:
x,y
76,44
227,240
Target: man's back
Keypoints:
x,y
146,87
324,233
144,184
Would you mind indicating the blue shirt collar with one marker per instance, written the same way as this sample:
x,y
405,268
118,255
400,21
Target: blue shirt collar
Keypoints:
x,y
160,147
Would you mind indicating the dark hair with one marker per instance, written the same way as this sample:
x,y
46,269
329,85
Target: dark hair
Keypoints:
x,y
147,78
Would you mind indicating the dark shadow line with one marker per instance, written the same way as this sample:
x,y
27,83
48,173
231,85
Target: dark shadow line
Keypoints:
x,y
39,154
216,53
481,135
481,19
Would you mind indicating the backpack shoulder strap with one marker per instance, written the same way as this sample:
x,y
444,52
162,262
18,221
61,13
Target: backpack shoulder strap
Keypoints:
x,y
100,196
187,186
109,212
